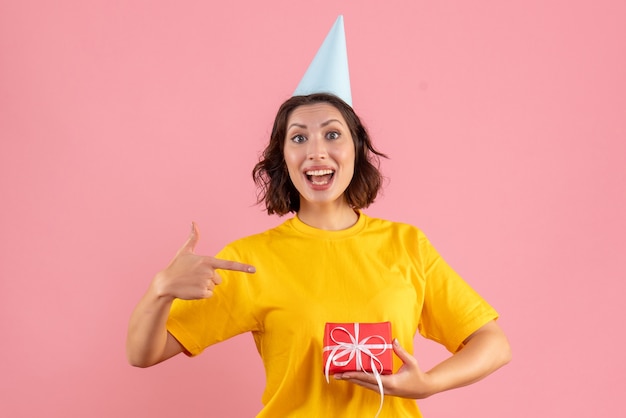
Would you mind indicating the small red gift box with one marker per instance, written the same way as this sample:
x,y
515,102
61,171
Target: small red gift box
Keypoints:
x,y
358,347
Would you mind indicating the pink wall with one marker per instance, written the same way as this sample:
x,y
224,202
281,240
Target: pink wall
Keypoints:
x,y
120,122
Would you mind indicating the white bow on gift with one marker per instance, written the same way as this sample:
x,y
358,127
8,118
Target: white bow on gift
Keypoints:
x,y
343,352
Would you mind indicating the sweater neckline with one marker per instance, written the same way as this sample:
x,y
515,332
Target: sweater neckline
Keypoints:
x,y
311,231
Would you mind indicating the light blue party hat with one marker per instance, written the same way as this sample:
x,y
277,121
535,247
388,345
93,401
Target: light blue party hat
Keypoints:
x,y
328,72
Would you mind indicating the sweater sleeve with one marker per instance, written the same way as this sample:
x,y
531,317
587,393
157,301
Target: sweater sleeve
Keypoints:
x,y
452,310
197,324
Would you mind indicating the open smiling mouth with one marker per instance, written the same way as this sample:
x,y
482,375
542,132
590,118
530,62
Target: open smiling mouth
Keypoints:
x,y
319,177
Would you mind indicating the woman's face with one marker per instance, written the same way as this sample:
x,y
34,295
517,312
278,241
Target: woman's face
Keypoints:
x,y
319,153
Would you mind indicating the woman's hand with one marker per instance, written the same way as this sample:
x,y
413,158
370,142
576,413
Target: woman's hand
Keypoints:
x,y
188,276
483,352
193,276
408,382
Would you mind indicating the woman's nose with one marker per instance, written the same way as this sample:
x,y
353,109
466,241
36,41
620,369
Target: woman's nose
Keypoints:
x,y
317,149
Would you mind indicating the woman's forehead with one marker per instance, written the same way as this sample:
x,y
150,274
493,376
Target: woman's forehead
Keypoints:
x,y
315,113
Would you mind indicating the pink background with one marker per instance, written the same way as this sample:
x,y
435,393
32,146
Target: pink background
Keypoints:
x,y
121,122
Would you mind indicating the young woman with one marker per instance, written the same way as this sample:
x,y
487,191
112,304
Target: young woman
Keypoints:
x,y
329,263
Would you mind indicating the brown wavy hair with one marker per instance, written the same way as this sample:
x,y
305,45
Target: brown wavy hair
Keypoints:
x,y
272,178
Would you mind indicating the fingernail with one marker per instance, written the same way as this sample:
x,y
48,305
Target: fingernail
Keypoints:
x,y
395,342
251,269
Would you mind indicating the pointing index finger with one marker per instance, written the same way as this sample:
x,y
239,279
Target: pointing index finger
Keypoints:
x,y
218,263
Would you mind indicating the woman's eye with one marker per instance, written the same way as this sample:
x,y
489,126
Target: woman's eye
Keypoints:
x,y
333,135
298,139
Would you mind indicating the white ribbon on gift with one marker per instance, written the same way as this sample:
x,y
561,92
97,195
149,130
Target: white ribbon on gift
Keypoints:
x,y
343,352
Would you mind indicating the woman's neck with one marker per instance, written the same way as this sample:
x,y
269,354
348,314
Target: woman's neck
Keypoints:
x,y
329,217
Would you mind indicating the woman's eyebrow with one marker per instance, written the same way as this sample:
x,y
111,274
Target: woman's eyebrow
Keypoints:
x,y
297,125
329,121
323,124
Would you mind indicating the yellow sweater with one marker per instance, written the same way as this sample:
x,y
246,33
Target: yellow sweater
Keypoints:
x,y
375,271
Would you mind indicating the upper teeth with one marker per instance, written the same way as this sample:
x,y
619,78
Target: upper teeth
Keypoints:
x,y
318,172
